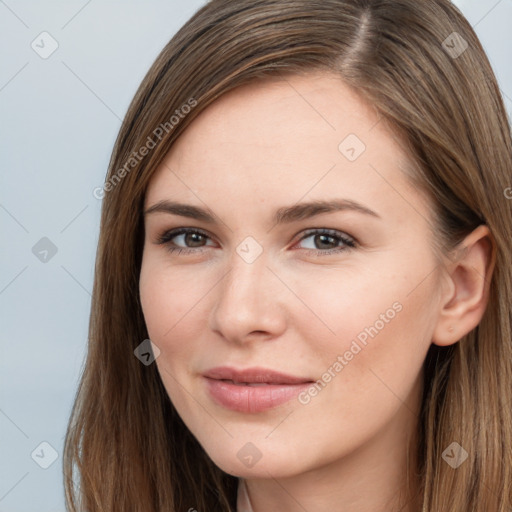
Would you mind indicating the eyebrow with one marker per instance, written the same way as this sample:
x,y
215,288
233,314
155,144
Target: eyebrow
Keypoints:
x,y
283,215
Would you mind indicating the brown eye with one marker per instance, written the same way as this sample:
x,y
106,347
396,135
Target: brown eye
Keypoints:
x,y
194,239
183,239
328,241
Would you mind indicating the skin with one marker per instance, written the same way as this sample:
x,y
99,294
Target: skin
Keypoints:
x,y
295,309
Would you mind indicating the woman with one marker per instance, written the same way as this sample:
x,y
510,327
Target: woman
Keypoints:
x,y
373,374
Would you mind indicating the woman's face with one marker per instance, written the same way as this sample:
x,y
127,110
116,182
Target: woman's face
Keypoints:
x,y
343,298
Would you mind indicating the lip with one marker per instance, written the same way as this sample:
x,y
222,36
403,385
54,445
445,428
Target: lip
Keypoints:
x,y
252,390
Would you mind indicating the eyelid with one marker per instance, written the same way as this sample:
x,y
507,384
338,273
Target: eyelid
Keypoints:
x,y
328,231
168,234
348,240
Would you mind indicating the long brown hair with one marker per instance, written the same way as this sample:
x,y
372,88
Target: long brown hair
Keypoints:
x,y
422,66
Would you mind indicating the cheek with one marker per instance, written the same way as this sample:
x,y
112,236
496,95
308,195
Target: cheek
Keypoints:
x,y
169,298
175,302
366,326
170,303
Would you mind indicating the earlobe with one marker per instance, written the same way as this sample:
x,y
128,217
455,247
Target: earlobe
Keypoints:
x,y
469,276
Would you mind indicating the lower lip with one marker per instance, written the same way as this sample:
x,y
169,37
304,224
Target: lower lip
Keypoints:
x,y
252,399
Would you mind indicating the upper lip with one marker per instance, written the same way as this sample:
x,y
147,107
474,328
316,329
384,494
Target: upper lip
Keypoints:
x,y
253,375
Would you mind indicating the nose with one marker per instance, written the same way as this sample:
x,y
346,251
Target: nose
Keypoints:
x,y
250,302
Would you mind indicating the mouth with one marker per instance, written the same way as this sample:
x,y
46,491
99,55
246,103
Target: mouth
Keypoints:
x,y
254,375
252,384
252,390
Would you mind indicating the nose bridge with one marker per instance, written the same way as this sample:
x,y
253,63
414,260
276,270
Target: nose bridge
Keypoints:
x,y
248,299
247,282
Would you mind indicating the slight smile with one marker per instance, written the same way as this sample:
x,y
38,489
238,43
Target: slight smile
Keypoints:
x,y
252,390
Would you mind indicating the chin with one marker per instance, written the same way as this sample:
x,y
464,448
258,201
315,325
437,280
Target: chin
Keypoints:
x,y
252,460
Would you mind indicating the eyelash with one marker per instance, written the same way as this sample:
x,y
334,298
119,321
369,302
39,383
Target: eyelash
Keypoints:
x,y
166,237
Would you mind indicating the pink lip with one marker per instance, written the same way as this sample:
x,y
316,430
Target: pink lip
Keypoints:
x,y
227,387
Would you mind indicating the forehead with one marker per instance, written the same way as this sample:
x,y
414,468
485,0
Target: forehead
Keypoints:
x,y
281,120
284,137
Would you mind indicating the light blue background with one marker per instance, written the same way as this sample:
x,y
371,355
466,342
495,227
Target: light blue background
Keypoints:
x,y
58,121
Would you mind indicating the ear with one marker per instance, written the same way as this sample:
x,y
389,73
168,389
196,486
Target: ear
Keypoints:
x,y
469,277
